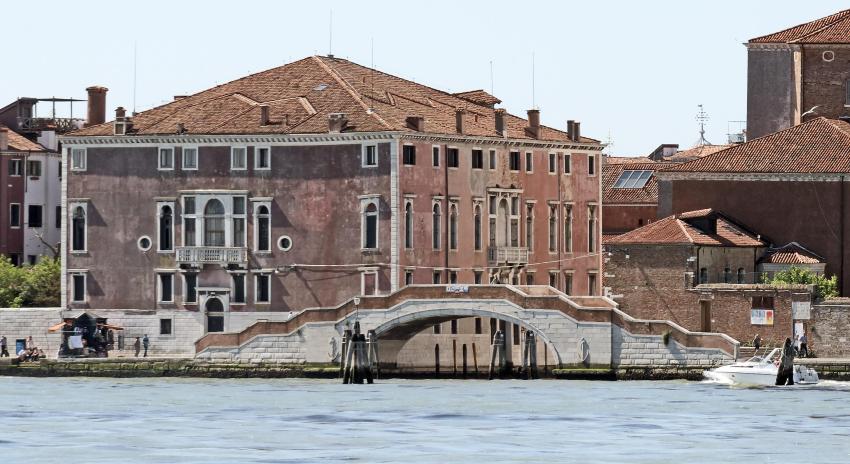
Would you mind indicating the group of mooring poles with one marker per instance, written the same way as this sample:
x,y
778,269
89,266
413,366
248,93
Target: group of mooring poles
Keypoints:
x,y
360,354
498,358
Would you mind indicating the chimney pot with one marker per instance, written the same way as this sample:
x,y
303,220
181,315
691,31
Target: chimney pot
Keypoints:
x,y
577,131
459,120
4,139
500,122
264,115
570,128
179,97
416,123
337,122
96,113
534,122
120,112
181,128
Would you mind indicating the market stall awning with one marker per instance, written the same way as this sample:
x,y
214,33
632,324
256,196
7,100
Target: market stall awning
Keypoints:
x,y
57,327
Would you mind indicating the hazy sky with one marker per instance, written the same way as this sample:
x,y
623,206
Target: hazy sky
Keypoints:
x,y
634,70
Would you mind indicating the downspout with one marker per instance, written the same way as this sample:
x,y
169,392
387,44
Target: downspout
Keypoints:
x,y
560,224
447,212
841,266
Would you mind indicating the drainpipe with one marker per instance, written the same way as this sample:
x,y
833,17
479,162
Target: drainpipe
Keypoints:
x,y
559,225
446,212
841,266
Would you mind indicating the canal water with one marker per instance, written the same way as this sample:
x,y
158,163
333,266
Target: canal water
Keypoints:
x,y
90,420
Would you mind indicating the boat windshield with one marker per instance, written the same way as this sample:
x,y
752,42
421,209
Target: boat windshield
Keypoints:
x,y
765,359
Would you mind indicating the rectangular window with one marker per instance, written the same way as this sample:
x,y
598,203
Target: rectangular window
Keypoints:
x,y
370,156
14,215
492,159
591,283
262,158
59,170
477,275
529,278
453,156
34,168
190,288
238,158
515,333
408,277
34,218
452,277
238,296
529,161
553,280
408,154
477,159
553,163
437,277
847,92
478,328
15,258
165,326
567,164
190,158
762,302
568,283
32,259
78,294
189,221
514,161
166,288
437,329
591,165
58,218
15,167
262,291
435,157
369,283
78,159
454,327
238,221
166,159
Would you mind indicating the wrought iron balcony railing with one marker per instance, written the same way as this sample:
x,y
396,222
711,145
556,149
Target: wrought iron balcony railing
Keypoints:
x,y
508,255
212,255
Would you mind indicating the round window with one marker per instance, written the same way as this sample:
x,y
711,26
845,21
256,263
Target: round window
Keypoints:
x,y
828,55
144,243
284,243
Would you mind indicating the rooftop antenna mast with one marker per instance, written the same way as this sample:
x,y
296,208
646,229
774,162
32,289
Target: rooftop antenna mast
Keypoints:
x,y
135,60
702,118
533,95
491,77
331,35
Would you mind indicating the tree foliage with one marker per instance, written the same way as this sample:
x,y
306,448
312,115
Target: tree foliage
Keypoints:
x,y
824,287
29,286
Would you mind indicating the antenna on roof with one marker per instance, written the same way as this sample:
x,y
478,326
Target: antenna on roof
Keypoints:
x,y
134,76
609,144
533,96
491,78
702,118
331,35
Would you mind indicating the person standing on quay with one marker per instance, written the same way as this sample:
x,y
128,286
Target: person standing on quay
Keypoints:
x,y
146,342
4,348
137,345
757,342
804,346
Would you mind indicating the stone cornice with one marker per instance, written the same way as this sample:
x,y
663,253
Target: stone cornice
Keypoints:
x,y
752,176
772,47
556,144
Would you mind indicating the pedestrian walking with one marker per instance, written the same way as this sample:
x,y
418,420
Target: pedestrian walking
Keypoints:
x,y
4,347
757,342
137,345
804,346
30,344
146,342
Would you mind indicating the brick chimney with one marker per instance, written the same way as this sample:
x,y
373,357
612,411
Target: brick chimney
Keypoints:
x,y
534,123
337,122
577,131
96,105
122,123
459,120
416,123
4,139
264,115
500,122
570,129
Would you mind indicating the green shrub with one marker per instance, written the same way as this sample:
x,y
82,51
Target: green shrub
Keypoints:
x,y
29,286
824,287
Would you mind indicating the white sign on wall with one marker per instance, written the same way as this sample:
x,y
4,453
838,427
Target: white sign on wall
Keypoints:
x,y
457,288
801,310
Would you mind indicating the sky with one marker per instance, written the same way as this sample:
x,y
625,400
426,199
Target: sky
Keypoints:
x,y
632,72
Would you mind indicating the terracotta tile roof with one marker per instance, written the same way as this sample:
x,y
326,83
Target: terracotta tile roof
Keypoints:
x,y
648,194
479,97
819,145
792,253
833,29
690,229
695,152
18,142
302,94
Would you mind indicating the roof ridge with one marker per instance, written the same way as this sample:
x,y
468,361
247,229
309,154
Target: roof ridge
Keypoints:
x,y
351,91
840,16
681,226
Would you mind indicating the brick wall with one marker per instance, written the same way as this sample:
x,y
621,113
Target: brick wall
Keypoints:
x,y
829,330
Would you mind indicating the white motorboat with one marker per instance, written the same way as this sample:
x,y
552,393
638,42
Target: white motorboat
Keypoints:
x,y
760,370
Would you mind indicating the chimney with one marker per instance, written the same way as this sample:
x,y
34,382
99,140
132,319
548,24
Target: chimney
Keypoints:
x,y
416,123
4,139
570,129
577,131
336,122
500,122
459,120
179,97
121,123
264,115
181,128
96,105
534,123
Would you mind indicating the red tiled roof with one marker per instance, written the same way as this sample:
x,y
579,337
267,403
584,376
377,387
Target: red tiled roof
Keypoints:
x,y
819,145
18,142
792,253
695,152
479,97
833,29
302,94
683,229
648,194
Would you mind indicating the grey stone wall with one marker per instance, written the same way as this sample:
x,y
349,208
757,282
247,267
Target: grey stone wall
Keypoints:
x,y
650,350
829,330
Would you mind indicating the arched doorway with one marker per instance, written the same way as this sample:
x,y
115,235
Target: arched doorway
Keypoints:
x,y
215,315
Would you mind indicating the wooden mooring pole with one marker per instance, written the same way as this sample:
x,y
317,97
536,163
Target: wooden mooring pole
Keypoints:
x,y
357,368
529,357
497,355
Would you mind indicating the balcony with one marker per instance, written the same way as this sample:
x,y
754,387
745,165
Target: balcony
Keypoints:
x,y
212,255
507,255
60,125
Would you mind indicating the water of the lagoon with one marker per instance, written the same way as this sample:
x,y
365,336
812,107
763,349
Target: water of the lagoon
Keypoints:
x,y
87,420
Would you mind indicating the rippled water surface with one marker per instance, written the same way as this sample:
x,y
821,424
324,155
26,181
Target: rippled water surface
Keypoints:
x,y
281,421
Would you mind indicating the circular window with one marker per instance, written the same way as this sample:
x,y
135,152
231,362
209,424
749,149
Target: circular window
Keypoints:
x,y
828,55
144,243
284,243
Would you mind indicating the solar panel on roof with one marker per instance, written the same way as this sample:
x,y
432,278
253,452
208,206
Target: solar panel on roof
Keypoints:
x,y
631,179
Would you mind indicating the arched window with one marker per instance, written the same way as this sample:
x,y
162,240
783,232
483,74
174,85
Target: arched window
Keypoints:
x,y
214,224
370,224
166,228
477,238
78,229
215,315
453,227
742,275
263,229
435,227
408,225
553,227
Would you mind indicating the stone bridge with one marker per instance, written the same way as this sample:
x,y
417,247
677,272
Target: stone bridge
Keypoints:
x,y
567,328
